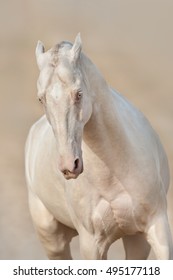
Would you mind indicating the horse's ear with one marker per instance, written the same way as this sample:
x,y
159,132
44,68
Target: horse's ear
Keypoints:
x,y
77,47
39,51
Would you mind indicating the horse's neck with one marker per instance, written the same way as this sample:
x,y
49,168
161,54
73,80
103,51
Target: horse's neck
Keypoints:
x,y
103,129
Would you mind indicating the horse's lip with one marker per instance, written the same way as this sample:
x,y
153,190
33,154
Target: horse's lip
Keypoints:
x,y
73,175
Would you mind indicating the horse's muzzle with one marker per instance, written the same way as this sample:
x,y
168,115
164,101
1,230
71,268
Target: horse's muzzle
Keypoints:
x,y
75,172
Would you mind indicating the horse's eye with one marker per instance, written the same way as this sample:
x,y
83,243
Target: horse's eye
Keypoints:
x,y
78,95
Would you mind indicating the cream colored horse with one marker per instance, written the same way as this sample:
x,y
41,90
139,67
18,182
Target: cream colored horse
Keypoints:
x,y
117,166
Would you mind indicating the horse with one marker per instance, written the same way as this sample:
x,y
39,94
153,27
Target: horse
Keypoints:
x,y
94,165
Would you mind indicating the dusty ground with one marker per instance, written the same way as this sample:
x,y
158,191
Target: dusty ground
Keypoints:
x,y
130,41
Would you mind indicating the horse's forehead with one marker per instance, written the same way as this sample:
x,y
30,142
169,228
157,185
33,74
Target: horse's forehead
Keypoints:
x,y
66,72
60,65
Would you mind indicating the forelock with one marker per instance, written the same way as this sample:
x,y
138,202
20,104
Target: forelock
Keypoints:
x,y
59,49
63,45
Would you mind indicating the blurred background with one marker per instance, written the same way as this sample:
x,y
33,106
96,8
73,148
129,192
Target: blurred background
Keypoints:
x,y
130,41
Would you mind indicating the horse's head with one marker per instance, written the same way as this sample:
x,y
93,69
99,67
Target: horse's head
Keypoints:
x,y
62,90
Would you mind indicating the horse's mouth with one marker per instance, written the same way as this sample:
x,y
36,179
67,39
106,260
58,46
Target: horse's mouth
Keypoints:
x,y
72,175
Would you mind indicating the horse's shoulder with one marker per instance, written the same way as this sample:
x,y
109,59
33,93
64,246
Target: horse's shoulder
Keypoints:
x,y
35,135
39,125
37,130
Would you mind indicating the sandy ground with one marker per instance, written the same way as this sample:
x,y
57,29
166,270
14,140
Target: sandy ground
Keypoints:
x,y
130,41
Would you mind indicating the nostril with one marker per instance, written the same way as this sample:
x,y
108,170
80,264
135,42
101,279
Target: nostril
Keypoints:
x,y
76,164
72,168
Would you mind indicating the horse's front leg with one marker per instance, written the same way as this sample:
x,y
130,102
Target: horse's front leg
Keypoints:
x,y
95,242
159,237
91,246
55,236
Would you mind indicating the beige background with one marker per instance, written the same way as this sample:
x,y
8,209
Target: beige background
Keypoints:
x,y
130,41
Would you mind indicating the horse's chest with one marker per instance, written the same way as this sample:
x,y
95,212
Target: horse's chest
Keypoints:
x,y
104,222
112,220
